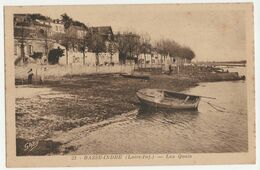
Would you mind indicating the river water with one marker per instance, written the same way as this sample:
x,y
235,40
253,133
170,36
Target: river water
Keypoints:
x,y
219,125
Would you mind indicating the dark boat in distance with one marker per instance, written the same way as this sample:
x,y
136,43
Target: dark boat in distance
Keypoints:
x,y
165,99
136,76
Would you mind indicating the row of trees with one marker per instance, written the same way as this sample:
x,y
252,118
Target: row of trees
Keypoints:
x,y
173,49
129,45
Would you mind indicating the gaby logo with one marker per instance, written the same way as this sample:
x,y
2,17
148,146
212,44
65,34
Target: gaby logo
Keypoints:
x,y
29,146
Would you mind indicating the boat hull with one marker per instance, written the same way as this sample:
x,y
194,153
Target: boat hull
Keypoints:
x,y
150,102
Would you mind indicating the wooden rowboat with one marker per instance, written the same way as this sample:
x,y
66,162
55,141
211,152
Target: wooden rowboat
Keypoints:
x,y
165,99
136,76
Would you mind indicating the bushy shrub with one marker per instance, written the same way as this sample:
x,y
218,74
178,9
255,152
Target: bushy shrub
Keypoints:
x,y
54,55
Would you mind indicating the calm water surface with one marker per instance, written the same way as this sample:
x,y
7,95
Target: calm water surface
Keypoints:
x,y
217,126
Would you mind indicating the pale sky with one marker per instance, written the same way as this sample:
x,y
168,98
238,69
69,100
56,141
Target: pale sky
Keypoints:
x,y
213,34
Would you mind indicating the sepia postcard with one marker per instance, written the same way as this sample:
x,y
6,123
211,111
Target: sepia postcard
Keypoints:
x,y
117,85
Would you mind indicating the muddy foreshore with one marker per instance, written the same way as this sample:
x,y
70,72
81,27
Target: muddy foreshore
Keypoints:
x,y
78,101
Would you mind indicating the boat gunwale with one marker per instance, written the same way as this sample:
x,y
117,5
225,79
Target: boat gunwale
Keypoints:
x,y
139,91
151,99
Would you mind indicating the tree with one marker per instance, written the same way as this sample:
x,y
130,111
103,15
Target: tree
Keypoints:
x,y
112,47
66,20
162,48
173,49
54,55
47,44
167,47
65,41
138,51
133,45
122,47
146,47
84,45
128,45
186,52
95,44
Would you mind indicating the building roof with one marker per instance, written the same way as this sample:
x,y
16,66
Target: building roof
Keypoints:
x,y
40,24
79,25
103,30
20,14
31,20
31,24
33,16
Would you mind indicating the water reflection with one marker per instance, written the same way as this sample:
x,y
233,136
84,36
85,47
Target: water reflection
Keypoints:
x,y
167,116
149,111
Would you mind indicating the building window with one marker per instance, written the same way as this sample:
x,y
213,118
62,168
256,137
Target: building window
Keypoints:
x,y
30,49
